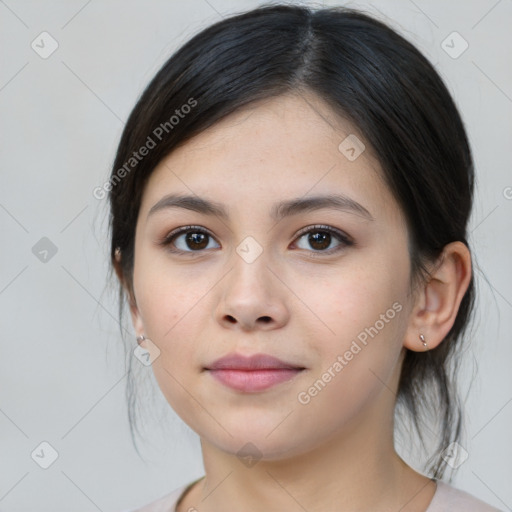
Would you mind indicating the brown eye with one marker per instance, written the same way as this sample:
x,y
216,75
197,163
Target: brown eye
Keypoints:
x,y
320,238
188,239
196,240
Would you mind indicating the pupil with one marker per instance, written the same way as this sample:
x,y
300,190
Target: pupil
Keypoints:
x,y
196,239
320,237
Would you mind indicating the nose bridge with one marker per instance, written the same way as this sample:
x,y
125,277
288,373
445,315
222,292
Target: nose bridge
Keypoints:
x,y
250,269
251,292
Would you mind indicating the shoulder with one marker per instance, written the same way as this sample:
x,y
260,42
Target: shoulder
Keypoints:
x,y
166,503
446,499
451,499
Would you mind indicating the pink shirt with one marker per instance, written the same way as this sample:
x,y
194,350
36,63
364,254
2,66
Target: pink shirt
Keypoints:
x,y
446,499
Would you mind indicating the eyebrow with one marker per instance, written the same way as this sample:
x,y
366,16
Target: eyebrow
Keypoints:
x,y
278,211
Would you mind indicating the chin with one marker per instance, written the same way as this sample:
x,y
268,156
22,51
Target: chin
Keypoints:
x,y
251,445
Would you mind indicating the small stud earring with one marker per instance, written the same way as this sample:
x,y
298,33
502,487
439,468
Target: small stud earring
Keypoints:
x,y
422,338
140,338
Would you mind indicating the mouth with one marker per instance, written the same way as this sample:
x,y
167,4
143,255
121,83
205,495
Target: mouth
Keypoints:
x,y
236,361
254,373
251,381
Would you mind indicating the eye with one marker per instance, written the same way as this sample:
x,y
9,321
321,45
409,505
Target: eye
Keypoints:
x,y
320,238
188,239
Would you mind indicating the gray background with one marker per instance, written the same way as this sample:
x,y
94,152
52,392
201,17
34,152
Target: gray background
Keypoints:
x,y
62,370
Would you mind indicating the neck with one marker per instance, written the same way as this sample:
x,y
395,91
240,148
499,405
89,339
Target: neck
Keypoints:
x,y
354,469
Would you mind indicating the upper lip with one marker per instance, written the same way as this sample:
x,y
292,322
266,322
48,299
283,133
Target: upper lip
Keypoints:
x,y
255,362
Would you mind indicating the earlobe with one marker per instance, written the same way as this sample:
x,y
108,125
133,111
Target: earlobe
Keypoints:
x,y
439,300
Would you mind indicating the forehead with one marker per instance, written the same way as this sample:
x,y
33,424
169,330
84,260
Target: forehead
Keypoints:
x,y
276,149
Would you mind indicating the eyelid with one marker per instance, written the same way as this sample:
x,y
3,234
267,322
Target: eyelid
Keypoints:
x,y
182,229
323,227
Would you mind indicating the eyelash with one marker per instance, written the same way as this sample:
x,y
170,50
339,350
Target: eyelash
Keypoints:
x,y
345,240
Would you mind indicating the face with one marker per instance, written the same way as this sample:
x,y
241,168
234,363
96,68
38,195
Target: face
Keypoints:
x,y
324,288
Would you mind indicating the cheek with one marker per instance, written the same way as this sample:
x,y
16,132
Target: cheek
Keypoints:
x,y
170,306
167,296
169,309
357,362
354,300
363,313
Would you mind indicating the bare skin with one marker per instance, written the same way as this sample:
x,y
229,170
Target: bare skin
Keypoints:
x,y
295,301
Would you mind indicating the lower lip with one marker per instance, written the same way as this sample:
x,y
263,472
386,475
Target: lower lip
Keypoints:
x,y
253,380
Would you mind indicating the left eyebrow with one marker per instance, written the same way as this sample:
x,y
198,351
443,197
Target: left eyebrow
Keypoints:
x,y
308,204
278,211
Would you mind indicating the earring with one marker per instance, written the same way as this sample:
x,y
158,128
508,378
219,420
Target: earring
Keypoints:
x,y
422,338
140,338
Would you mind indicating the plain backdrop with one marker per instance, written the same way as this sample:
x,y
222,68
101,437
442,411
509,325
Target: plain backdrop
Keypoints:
x,y
62,369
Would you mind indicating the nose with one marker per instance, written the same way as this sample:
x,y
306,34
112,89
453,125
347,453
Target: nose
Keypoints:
x,y
252,297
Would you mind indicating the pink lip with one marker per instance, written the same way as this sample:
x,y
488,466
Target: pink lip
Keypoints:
x,y
255,362
253,380
254,373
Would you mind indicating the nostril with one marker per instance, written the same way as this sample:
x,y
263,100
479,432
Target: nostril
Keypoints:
x,y
266,319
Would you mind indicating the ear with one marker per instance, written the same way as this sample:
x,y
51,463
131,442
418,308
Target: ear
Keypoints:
x,y
438,301
134,310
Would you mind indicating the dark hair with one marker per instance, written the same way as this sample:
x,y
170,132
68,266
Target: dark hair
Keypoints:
x,y
369,75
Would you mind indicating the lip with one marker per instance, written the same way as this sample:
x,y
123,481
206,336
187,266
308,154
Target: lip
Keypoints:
x,y
254,373
255,362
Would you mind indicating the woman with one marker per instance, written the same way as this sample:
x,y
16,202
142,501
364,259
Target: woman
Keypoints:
x,y
289,205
